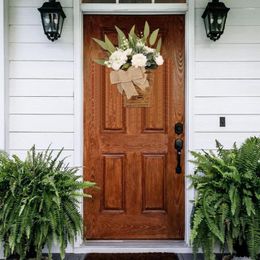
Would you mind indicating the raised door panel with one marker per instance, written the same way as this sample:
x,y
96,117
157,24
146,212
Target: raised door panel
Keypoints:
x,y
154,182
113,190
113,111
154,117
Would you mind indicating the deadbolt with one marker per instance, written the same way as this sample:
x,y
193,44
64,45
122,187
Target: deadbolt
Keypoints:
x,y
178,128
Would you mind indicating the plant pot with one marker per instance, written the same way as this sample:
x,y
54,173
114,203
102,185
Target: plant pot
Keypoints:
x,y
30,255
241,249
13,257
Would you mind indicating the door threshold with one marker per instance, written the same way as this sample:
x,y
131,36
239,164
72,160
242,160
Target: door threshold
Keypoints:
x,y
133,246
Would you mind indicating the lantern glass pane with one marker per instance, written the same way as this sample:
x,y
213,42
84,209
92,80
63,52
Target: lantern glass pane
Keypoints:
x,y
223,18
55,19
61,20
47,21
207,24
213,22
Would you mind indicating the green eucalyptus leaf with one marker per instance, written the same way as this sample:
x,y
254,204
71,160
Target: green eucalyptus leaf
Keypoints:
x,y
153,37
146,30
110,47
132,41
99,61
126,66
101,44
159,44
121,35
132,32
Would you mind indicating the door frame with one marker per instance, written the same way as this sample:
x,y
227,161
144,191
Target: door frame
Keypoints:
x,y
189,11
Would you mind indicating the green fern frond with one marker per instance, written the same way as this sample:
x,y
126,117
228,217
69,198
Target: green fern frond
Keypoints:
x,y
227,204
39,202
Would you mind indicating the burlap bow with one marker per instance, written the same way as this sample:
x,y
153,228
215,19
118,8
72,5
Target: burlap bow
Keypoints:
x,y
127,80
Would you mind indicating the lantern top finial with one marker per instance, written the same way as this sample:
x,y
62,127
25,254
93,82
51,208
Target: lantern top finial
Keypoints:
x,y
215,6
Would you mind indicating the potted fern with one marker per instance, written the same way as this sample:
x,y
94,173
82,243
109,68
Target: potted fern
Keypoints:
x,y
227,204
39,203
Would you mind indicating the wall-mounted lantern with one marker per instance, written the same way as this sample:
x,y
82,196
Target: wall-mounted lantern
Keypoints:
x,y
52,19
215,16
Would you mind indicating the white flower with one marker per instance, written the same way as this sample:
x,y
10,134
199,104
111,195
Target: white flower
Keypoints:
x,y
139,60
148,49
128,52
117,59
159,60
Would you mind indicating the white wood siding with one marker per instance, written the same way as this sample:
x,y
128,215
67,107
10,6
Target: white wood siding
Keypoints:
x,y
40,81
227,77
41,91
2,77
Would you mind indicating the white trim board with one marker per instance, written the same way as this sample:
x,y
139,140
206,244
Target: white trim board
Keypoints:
x,y
2,76
156,9
134,9
78,95
3,73
127,246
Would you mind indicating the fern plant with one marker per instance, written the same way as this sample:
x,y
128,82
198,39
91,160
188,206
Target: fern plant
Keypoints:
x,y
227,203
39,203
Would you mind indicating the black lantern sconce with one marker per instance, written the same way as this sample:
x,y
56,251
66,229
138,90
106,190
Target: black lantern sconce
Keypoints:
x,y
215,16
52,19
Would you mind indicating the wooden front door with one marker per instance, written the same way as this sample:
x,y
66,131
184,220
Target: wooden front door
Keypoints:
x,y
129,152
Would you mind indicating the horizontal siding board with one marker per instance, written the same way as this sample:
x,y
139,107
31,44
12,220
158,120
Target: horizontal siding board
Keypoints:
x,y
41,52
232,34
35,34
37,3
40,87
41,105
44,70
40,140
41,123
234,123
225,70
219,88
227,105
236,16
207,140
41,81
31,16
228,52
231,3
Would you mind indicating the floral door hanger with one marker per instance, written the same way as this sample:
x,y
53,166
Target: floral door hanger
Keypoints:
x,y
131,62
